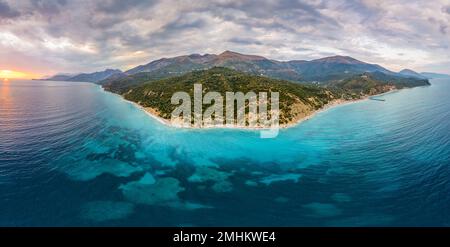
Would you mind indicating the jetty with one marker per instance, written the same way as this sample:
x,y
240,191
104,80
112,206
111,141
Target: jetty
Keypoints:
x,y
376,99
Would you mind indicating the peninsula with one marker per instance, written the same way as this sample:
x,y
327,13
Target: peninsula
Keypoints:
x,y
304,87
297,102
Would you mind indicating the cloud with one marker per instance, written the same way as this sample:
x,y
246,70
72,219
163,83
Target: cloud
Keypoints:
x,y
443,28
446,9
6,12
48,7
82,35
245,41
120,6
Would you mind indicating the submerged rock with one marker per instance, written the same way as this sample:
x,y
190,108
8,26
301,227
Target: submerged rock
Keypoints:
x,y
222,186
163,191
341,197
87,170
203,174
281,199
147,179
159,192
251,183
189,205
220,178
282,177
322,209
106,210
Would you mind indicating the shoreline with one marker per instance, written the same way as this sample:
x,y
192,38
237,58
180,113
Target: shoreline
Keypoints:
x,y
347,102
335,103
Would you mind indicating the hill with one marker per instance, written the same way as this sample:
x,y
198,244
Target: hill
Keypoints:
x,y
367,84
94,77
411,73
334,68
58,77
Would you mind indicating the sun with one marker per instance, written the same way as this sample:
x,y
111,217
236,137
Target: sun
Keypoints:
x,y
10,74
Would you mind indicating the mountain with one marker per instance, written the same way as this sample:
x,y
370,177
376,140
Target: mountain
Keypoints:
x,y
324,70
175,65
333,68
193,61
411,73
59,77
430,75
328,68
94,77
169,67
246,63
373,83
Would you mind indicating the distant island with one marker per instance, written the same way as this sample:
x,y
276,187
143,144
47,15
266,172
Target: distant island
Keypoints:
x,y
85,77
430,75
304,86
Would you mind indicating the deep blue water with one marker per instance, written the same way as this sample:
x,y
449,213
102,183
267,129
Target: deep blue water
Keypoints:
x,y
73,155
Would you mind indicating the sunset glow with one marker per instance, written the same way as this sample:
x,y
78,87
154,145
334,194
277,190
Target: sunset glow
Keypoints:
x,y
10,74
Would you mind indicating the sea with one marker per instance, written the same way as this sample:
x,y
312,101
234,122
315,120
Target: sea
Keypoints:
x,y
72,154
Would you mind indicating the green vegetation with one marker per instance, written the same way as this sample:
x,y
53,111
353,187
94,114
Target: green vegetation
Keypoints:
x,y
157,94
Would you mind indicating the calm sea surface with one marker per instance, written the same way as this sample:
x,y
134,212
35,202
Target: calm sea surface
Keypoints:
x,y
74,155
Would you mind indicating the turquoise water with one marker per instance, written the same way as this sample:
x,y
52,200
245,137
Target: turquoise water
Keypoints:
x,y
74,155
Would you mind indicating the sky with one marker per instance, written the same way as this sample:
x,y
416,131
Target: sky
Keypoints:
x,y
44,37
